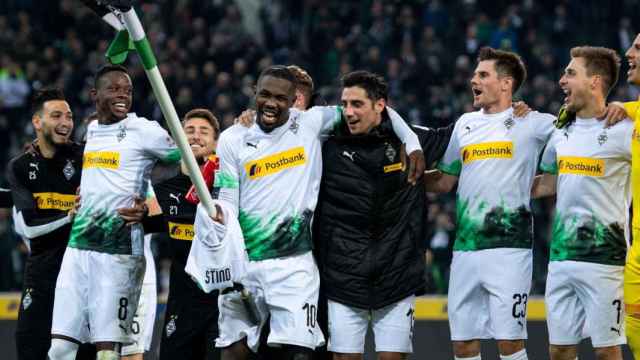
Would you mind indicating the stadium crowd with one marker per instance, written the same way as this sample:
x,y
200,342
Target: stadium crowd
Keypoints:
x,y
211,52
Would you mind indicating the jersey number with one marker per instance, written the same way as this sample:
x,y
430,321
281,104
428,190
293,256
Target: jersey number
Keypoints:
x,y
618,305
311,313
519,306
122,310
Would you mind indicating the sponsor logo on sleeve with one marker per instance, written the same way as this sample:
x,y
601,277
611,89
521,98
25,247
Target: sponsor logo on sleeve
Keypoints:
x,y
101,160
179,231
394,167
580,166
54,201
489,150
275,163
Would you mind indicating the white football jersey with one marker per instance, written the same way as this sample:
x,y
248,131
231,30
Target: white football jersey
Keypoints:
x,y
593,164
271,181
495,157
117,162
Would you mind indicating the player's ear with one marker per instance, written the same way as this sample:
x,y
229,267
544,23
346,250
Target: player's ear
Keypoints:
x,y
93,93
379,105
36,120
507,83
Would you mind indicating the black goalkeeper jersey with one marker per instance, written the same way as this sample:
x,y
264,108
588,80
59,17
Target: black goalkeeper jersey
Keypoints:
x,y
179,214
43,192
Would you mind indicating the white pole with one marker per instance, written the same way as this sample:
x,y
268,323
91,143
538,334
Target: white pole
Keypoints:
x,y
134,27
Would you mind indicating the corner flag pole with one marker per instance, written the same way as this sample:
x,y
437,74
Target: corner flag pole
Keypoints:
x,y
130,21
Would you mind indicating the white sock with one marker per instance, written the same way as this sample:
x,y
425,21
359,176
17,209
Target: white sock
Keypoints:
x,y
520,355
477,357
62,349
107,355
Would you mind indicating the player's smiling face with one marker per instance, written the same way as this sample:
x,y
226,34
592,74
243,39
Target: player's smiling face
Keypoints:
x,y
576,84
54,122
486,85
201,137
633,59
274,97
362,113
113,96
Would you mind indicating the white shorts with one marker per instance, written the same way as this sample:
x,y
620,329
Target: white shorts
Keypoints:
x,y
488,293
145,316
286,289
585,300
96,296
392,327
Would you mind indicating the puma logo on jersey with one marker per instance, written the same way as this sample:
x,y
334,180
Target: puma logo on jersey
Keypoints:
x,y
275,163
175,197
34,165
580,166
615,330
349,154
255,146
489,150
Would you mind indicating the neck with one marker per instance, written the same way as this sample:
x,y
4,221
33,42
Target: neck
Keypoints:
x,y
497,107
107,118
47,149
594,108
183,165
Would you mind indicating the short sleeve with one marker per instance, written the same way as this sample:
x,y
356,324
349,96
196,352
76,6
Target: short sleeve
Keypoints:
x,y
323,119
451,162
158,143
549,162
542,125
227,177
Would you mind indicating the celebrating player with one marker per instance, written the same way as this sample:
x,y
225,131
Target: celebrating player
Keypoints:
x,y
191,319
494,159
43,185
632,267
589,165
103,267
269,177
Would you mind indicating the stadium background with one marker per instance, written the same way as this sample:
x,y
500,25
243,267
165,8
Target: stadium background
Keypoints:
x,y
211,51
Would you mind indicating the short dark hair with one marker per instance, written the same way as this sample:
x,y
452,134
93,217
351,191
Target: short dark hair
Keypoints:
x,y
507,63
600,61
44,95
373,84
102,71
304,82
280,72
207,115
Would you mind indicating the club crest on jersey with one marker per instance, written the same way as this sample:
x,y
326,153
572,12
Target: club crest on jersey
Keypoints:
x,y
294,126
69,170
122,133
33,173
390,152
508,123
602,138
171,325
27,300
